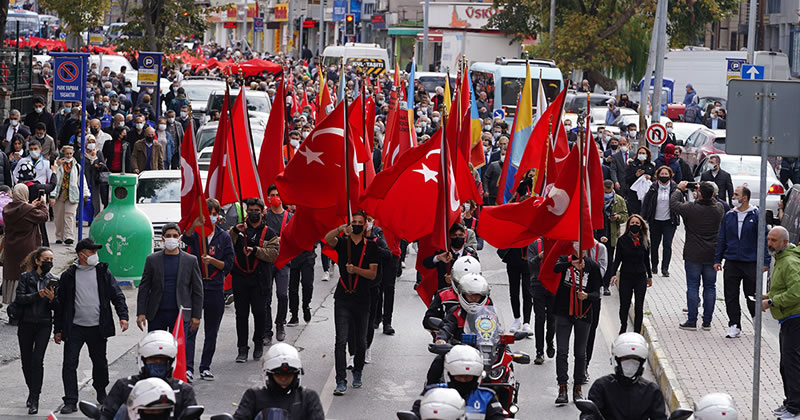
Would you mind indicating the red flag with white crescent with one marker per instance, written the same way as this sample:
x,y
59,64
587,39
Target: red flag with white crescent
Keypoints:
x,y
193,201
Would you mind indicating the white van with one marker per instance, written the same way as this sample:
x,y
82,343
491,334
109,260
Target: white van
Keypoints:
x,y
370,57
776,65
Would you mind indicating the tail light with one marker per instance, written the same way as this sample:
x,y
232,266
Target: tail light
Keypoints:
x,y
776,189
506,339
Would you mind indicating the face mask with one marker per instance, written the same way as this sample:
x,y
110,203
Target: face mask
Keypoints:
x,y
435,119
92,260
457,242
66,109
614,146
568,127
663,179
127,90
14,123
39,137
39,109
114,107
305,134
254,217
486,149
149,139
184,114
635,228
736,203
171,120
91,146
171,244
94,130
156,370
121,124
139,126
606,138
275,201
295,143
609,195
419,129
630,367
370,225
162,127
357,229
642,157
624,148
713,117
46,266
35,154
669,129
632,133
502,158
487,127
467,207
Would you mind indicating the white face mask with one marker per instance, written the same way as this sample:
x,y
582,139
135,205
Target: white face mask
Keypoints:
x,y
370,225
630,367
632,133
487,127
184,114
114,107
91,146
171,244
14,123
466,207
669,129
162,127
92,260
502,158
295,143
435,119
39,109
624,148
305,134
139,126
419,129
568,127
642,157
35,154
170,120
736,203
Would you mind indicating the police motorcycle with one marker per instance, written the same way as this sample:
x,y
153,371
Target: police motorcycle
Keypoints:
x,y
150,398
589,411
483,331
267,414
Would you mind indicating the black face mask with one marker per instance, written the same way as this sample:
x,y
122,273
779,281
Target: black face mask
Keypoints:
x,y
254,217
149,139
357,229
663,179
457,242
463,388
635,228
94,131
46,266
614,146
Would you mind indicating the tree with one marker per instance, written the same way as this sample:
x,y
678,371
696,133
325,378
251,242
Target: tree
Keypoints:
x,y
160,24
3,19
78,15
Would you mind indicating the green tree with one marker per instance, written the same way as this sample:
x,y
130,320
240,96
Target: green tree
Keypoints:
x,y
78,15
157,24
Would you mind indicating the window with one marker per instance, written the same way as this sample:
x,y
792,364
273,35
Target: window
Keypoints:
x,y
773,6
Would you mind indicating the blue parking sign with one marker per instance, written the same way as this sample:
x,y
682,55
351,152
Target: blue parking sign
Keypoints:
x,y
69,81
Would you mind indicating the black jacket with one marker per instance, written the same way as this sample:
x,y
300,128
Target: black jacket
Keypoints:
x,y
491,175
5,171
107,288
443,268
443,302
651,201
125,149
118,396
624,400
723,181
32,118
32,308
592,280
630,172
188,286
302,403
702,219
634,259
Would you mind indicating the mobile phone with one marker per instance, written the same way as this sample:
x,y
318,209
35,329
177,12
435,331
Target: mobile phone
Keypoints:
x,y
691,185
42,195
52,283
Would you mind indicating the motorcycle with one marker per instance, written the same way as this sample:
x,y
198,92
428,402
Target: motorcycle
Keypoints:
x,y
589,411
484,331
267,414
92,411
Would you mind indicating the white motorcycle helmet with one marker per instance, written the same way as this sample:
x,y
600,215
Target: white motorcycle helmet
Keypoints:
x,y
157,343
281,358
472,284
631,347
462,266
463,360
442,404
715,406
153,397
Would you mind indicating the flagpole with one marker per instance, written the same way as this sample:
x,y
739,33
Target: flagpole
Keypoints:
x,y
582,133
364,123
235,155
445,176
203,243
347,172
252,145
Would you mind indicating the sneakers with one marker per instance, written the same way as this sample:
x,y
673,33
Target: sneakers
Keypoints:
x,y
206,375
387,329
367,359
787,415
688,326
293,321
325,276
706,326
516,325
780,410
734,332
242,357
551,351
307,314
526,328
228,299
341,387
280,332
268,340
350,363
357,379
539,360
562,398
664,273
71,408
189,377
68,242
606,292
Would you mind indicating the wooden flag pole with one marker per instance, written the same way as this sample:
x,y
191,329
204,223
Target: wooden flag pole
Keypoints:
x,y
582,133
203,243
445,176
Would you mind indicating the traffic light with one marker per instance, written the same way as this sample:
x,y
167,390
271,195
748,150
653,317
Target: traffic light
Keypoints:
x,y
349,25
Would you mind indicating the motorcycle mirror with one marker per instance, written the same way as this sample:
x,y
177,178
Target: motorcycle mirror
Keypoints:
x,y
406,415
588,407
192,412
439,348
520,335
522,358
681,414
435,323
223,416
89,409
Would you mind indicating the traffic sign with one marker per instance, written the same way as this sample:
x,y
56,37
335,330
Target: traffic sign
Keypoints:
x,y
149,69
258,24
734,69
69,83
746,101
751,72
656,134
499,113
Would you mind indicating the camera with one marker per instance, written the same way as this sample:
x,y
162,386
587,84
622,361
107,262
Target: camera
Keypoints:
x,y
692,186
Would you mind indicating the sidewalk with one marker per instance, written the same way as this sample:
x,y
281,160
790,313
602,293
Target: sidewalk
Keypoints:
x,y
697,363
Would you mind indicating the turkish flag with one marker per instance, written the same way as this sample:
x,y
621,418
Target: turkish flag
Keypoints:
x,y
270,158
358,123
244,162
593,181
295,102
552,250
193,201
221,180
391,123
325,103
180,360
537,155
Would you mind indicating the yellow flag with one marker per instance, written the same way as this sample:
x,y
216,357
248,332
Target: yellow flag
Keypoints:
x,y
447,100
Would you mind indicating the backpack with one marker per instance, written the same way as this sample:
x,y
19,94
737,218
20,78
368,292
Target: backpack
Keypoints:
x,y
691,114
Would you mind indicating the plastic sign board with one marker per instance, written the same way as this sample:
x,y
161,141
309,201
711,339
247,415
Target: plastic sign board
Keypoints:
x,y
746,101
258,24
69,81
734,69
499,113
149,69
281,12
339,10
96,38
656,134
751,72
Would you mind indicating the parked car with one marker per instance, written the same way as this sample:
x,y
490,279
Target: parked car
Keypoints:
x,y
158,195
791,213
198,90
701,144
208,133
746,170
683,130
258,103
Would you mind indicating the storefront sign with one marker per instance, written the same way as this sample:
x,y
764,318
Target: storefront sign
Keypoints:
x,y
282,12
379,21
461,15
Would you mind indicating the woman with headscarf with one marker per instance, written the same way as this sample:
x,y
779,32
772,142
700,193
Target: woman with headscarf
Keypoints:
x,y
96,178
673,162
22,236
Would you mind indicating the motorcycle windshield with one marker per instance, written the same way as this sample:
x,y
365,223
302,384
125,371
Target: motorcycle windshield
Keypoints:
x,y
273,414
486,326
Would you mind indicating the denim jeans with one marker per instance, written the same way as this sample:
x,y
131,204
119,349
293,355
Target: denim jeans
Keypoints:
x,y
694,271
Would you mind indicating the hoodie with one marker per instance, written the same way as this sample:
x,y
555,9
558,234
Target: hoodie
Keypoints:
x,y
738,237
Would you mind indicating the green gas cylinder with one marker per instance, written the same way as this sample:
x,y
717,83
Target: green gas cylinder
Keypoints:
x,y
124,232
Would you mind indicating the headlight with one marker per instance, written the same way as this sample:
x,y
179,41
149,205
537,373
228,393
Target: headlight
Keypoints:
x,y
497,373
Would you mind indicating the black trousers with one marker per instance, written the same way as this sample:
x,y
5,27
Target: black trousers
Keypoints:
x,y
248,295
520,276
213,309
631,284
94,340
374,295
326,262
790,363
609,274
544,316
564,327
386,296
736,273
596,306
661,232
300,273
350,316
33,338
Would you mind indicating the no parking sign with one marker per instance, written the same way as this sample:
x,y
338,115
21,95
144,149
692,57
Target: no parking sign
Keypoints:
x,y
656,134
69,83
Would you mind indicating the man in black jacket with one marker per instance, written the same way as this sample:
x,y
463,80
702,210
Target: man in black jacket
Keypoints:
x,y
443,260
491,176
83,316
40,114
720,177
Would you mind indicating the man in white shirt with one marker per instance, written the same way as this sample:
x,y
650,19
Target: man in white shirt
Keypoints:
x,y
99,135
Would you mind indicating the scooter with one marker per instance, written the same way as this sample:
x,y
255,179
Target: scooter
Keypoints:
x,y
92,411
589,411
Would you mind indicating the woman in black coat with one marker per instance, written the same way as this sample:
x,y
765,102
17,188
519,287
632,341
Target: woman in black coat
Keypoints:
x,y
642,164
633,255
35,303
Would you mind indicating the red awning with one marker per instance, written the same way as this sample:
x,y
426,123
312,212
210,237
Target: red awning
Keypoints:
x,y
433,36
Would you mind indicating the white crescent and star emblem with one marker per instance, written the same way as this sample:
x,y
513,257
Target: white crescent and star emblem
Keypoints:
x,y
560,201
188,178
311,156
429,174
454,203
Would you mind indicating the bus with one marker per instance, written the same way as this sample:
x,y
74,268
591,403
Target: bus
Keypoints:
x,y
29,24
503,81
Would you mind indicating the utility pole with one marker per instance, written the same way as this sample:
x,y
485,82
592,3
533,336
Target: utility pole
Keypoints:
x,y
321,30
661,47
290,27
552,25
751,31
244,27
425,36
648,74
299,48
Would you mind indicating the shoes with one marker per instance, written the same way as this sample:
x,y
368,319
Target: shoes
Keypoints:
x,y
258,351
403,265
268,340
325,276
357,379
293,321
516,325
577,393
189,376
242,357
367,359
664,273
780,410
376,324
623,329
688,326
706,326
33,408
307,314
606,292
280,332
28,401
788,415
69,408
350,363
101,393
562,398
551,351
59,242
526,328
734,332
387,329
341,387
68,242
539,360
206,375
229,299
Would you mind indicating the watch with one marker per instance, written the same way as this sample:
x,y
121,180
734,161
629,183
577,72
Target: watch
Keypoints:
x,y
769,302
